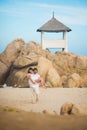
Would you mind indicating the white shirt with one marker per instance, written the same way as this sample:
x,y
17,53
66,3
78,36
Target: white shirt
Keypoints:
x,y
34,77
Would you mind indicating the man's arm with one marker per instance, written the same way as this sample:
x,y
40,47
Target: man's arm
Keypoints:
x,y
38,80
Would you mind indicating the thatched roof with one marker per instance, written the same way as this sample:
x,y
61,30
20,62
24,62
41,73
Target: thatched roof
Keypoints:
x,y
53,25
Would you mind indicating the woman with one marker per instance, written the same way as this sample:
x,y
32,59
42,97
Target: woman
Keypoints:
x,y
34,85
35,80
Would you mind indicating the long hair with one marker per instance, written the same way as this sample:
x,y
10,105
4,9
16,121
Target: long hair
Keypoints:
x,y
29,70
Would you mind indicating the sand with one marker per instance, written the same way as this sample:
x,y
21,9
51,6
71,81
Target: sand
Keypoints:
x,y
50,98
20,120
18,113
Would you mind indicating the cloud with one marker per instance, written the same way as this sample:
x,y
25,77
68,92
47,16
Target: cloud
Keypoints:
x,y
66,14
69,14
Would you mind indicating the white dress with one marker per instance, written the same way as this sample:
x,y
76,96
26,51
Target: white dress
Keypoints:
x,y
36,85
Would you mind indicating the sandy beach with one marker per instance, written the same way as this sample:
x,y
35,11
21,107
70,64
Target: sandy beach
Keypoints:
x,y
50,98
23,115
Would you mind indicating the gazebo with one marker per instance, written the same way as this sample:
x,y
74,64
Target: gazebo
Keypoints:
x,y
53,25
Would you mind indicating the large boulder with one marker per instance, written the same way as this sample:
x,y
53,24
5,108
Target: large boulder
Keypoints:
x,y
74,80
3,72
68,63
44,65
12,51
18,75
53,79
7,58
73,109
60,69
29,56
48,72
79,109
66,109
30,53
18,78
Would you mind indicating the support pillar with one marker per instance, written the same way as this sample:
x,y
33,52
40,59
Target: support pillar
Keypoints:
x,y
42,38
65,38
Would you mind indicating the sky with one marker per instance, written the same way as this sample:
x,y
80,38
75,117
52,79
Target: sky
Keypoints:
x,y
21,19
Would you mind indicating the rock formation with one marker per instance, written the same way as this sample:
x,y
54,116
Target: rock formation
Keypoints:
x,y
73,109
58,70
8,57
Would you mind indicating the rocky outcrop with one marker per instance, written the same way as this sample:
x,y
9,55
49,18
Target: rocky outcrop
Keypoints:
x,y
73,80
73,109
8,57
58,70
66,109
12,51
48,72
53,79
17,78
44,65
67,64
3,72
79,109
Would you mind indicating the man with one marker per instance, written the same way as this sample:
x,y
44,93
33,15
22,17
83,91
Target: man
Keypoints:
x,y
34,82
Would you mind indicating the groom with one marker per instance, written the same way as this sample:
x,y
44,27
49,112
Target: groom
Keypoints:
x,y
34,82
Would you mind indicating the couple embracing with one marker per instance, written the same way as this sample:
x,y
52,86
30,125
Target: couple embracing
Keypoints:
x,y
35,80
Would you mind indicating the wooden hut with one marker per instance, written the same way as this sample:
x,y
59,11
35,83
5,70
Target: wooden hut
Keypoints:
x,y
54,26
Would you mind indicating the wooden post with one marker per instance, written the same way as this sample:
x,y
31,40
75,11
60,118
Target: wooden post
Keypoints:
x,y
42,37
65,38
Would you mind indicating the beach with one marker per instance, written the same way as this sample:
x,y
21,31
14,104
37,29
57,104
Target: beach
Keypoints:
x,y
49,99
23,114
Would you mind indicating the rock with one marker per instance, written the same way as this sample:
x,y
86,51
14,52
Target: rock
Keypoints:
x,y
43,66
66,109
69,63
73,109
3,72
64,80
48,72
74,80
49,112
18,77
12,51
30,52
64,63
23,61
79,109
27,56
53,78
84,80
7,58
60,69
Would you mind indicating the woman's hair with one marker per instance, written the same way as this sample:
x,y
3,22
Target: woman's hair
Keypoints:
x,y
29,70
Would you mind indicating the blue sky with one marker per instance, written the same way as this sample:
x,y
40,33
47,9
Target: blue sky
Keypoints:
x,y
21,19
